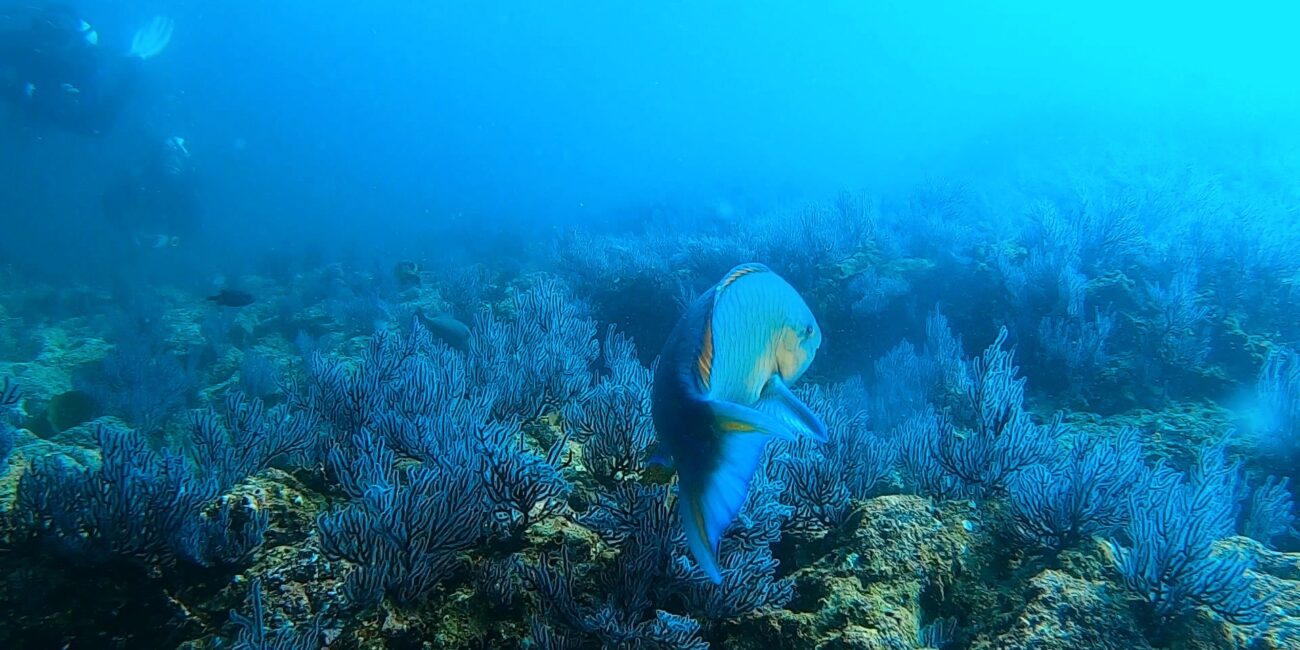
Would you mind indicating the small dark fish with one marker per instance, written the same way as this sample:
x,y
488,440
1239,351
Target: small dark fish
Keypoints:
x,y
233,298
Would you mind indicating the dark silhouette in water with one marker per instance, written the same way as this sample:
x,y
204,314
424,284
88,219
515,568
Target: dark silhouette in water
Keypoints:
x,y
232,298
156,203
54,70
407,274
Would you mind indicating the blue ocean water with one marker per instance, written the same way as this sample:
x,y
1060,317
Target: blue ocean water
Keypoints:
x,y
458,325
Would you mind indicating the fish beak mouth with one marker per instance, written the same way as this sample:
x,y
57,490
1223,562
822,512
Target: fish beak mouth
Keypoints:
x,y
790,364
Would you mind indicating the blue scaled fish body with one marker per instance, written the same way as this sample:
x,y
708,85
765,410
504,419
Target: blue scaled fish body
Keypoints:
x,y
721,392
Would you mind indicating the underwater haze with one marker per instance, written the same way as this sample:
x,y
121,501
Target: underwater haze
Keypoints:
x,y
829,325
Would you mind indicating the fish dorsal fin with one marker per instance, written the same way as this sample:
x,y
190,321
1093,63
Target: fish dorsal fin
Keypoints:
x,y
740,272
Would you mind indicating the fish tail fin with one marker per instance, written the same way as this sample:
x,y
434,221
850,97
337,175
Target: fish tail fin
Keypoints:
x,y
710,497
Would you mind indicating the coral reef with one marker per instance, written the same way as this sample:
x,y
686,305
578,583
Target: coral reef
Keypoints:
x,y
1113,467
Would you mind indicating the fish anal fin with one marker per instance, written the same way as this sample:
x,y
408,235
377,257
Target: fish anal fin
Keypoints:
x,y
658,455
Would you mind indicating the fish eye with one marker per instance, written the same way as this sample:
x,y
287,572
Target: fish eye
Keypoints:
x,y
807,331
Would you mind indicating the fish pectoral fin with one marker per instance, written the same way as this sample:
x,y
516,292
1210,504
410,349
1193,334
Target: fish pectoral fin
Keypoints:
x,y
778,402
709,501
732,418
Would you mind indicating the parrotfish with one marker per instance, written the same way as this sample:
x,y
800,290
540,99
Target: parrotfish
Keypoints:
x,y
447,329
721,392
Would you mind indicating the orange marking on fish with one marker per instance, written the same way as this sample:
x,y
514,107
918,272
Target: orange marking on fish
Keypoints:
x,y
699,520
704,364
737,426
